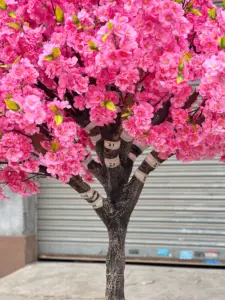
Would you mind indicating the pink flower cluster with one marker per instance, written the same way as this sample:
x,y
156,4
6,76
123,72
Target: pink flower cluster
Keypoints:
x,y
88,56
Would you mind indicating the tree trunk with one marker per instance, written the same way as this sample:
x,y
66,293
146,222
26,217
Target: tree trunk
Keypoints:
x,y
115,262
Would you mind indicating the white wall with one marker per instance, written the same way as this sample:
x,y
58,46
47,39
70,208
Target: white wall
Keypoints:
x,y
17,215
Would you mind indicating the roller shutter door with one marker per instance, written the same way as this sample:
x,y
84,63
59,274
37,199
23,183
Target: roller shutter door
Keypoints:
x,y
180,216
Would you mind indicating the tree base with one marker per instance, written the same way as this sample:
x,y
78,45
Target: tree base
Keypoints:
x,y
113,298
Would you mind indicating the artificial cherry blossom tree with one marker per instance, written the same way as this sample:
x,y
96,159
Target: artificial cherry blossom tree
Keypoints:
x,y
115,77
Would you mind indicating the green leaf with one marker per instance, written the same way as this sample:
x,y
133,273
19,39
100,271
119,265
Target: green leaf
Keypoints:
x,y
49,57
55,146
58,119
105,37
14,25
194,126
75,19
188,121
56,52
181,65
59,14
12,105
12,14
3,5
178,1
180,78
54,108
17,59
187,56
212,13
190,5
223,3
4,66
222,42
144,135
126,114
92,46
195,11
110,25
8,96
110,105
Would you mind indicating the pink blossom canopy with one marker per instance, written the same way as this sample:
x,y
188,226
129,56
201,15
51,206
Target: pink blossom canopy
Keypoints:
x,y
65,64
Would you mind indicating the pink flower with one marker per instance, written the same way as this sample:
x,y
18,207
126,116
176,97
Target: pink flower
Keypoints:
x,y
79,102
141,121
30,166
126,79
32,101
102,116
180,116
95,96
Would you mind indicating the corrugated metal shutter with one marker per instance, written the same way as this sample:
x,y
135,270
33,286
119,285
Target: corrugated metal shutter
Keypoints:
x,y
218,3
180,215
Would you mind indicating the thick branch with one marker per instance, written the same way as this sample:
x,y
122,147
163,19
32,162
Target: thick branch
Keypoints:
x,y
191,100
162,114
36,142
192,45
136,184
136,150
82,118
111,136
77,183
50,93
97,141
126,143
103,207
97,170
43,170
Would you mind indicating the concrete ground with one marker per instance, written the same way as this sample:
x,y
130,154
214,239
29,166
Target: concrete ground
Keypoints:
x,y
79,281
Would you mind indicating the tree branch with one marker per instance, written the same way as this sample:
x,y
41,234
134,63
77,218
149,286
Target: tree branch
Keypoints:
x,y
36,142
191,100
97,170
162,114
126,143
192,45
111,137
136,150
77,183
50,93
136,184
103,207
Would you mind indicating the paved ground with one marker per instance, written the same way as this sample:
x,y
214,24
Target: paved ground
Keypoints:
x,y
79,281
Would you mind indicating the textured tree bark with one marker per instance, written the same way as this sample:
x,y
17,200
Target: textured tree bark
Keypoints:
x,y
115,262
